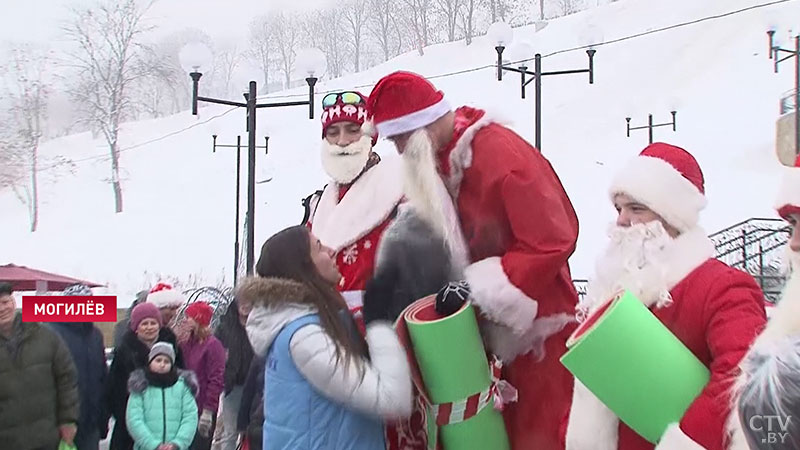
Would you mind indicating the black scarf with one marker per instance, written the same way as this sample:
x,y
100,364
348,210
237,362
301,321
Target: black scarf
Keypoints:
x,y
161,380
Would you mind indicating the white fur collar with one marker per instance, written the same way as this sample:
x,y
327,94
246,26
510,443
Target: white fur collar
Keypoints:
x,y
369,202
688,252
461,155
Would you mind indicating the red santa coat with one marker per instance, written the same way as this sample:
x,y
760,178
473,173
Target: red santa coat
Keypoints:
x,y
520,229
716,311
351,219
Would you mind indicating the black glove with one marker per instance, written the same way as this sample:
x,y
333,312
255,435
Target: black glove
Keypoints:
x,y
452,297
378,297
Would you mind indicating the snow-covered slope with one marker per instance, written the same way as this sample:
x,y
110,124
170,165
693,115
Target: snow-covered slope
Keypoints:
x,y
179,196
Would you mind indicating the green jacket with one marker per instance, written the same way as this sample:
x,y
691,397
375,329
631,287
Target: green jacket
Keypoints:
x,y
38,387
157,415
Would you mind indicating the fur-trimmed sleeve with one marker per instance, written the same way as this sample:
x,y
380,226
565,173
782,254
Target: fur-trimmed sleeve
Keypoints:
x,y
385,388
544,232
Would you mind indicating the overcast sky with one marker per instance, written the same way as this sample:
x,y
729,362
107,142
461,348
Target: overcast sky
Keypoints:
x,y
40,20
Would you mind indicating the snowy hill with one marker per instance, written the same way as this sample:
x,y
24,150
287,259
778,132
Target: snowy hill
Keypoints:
x,y
179,196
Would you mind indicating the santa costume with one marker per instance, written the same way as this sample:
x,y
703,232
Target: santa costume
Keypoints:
x,y
771,369
714,310
353,210
517,228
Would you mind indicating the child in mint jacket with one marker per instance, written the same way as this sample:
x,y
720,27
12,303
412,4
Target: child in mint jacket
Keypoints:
x,y
162,412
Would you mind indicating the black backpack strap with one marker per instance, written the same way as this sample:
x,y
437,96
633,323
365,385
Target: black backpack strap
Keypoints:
x,y
310,205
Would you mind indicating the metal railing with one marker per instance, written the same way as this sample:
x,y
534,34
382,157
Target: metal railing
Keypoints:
x,y
756,246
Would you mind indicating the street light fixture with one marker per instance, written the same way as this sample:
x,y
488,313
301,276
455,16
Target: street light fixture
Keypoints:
x,y
238,148
775,51
195,57
502,35
650,125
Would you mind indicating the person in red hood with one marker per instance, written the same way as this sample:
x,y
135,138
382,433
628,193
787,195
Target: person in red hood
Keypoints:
x,y
466,172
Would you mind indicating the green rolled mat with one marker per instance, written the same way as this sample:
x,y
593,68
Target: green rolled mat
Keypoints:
x,y
627,358
449,364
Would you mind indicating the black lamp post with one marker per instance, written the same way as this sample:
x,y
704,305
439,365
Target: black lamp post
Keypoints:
x,y
775,51
650,125
193,55
502,34
238,148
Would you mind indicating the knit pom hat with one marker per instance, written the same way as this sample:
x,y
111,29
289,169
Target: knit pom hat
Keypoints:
x,y
145,311
162,348
200,312
163,295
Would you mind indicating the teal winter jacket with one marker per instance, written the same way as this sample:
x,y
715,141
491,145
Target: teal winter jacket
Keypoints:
x,y
157,415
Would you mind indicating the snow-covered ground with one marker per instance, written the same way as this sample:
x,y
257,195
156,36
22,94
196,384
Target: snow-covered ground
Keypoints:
x,y
179,196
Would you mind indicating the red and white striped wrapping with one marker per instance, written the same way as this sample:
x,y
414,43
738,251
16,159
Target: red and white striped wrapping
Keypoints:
x,y
499,392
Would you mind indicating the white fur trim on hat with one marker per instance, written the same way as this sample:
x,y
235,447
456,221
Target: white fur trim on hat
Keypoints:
x,y
166,297
413,121
789,191
660,187
675,439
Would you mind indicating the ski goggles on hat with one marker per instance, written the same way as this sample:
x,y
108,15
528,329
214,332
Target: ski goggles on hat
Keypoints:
x,y
347,98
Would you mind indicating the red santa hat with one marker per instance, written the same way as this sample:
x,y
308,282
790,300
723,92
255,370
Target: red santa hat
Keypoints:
x,y
666,179
403,102
342,112
163,296
789,193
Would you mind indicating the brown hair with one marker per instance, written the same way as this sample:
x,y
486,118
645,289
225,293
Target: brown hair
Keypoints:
x,y
287,255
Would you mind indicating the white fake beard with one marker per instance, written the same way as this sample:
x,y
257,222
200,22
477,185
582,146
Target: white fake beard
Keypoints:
x,y
344,164
635,260
422,182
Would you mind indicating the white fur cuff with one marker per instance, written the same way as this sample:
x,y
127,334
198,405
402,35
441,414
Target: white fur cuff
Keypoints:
x,y
675,439
498,298
591,425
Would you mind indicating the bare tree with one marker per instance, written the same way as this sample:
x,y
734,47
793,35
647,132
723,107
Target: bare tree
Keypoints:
x,y
566,7
467,16
157,92
24,125
417,15
262,47
285,29
383,27
108,64
498,9
226,60
449,10
541,9
355,14
324,32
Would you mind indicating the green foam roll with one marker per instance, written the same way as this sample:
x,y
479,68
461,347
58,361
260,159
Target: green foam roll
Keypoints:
x,y
450,359
627,358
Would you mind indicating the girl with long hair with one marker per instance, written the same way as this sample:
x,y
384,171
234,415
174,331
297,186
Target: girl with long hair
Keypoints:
x,y
321,390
